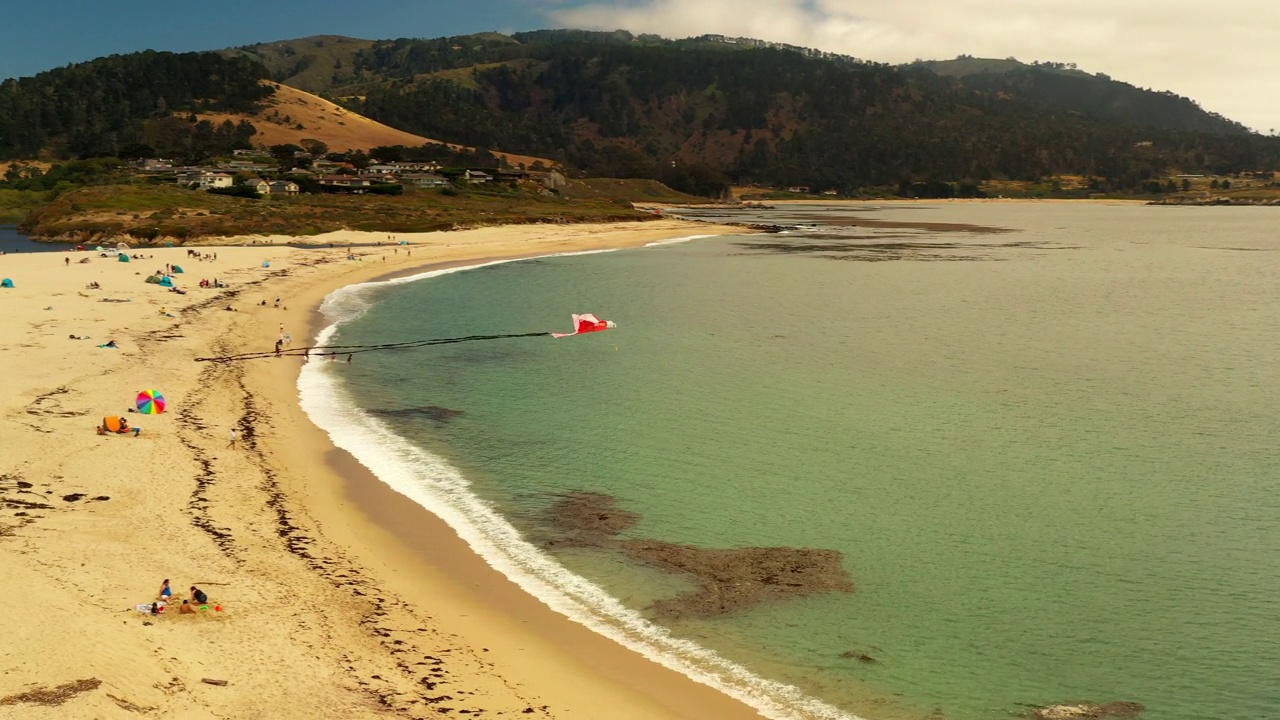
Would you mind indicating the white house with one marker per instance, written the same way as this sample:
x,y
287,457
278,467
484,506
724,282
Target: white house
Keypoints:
x,y
424,180
476,177
203,180
284,187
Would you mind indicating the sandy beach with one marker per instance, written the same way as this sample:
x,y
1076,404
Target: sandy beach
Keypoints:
x,y
339,598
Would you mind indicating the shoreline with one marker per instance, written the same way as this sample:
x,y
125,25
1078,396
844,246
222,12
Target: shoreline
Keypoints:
x,y
342,599
431,484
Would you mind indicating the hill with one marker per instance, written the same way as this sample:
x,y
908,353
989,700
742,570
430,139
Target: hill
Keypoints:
x,y
188,106
290,115
1063,86
314,64
703,112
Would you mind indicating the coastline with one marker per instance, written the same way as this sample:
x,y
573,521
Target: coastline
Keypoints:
x,y
342,599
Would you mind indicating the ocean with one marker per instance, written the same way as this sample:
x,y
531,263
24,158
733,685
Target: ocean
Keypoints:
x,y
949,461
13,241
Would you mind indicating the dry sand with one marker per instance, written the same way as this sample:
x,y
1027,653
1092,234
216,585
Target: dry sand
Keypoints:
x,y
341,599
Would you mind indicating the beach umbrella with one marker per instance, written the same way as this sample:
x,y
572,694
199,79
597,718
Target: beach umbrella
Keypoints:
x,y
150,402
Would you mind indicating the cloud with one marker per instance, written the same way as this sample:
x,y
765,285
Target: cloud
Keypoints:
x,y
1223,57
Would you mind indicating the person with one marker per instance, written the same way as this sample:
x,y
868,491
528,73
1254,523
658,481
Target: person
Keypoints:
x,y
348,358
124,426
68,260
232,444
198,596
277,302
166,592
279,344
186,608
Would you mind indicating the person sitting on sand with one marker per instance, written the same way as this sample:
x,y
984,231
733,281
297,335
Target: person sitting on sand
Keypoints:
x,y
186,608
198,596
124,426
109,344
166,592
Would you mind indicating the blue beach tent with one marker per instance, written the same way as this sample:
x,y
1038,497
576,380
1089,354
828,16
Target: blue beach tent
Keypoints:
x,y
166,281
6,283
122,257
177,270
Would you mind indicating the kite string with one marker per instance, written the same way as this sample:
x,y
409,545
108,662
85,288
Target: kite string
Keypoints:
x,y
322,350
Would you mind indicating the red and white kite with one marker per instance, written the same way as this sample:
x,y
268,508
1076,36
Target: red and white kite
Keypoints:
x,y
586,324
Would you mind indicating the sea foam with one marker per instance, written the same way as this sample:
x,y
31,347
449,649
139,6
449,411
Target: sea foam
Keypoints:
x,y
440,488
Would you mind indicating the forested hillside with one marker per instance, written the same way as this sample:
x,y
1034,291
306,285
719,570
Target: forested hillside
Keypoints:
x,y
695,113
698,113
1060,85
105,106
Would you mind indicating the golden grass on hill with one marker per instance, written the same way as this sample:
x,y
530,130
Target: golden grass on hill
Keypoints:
x,y
292,115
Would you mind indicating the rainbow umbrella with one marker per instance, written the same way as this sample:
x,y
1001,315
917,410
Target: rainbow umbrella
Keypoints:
x,y
150,402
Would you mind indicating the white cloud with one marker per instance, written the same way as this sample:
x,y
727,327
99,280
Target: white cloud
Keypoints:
x,y
1222,55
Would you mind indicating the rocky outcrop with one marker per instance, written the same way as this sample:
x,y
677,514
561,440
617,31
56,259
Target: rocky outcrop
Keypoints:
x,y
726,580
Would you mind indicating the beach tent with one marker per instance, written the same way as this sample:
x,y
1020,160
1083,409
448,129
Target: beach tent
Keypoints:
x,y
177,270
404,242
6,283
112,423
122,247
168,244
122,257
266,264
99,248
166,281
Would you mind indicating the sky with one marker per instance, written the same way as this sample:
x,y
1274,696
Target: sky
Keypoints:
x,y
1223,55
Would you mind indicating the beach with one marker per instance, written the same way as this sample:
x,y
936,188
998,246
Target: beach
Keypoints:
x,y
329,595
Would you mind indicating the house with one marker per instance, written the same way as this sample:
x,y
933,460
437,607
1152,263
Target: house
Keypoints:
x,y
345,184
204,180
258,184
152,165
424,180
476,177
798,189
284,187
381,169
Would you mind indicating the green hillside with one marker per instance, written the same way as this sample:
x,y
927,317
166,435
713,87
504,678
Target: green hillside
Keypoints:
x,y
1063,87
314,64
699,113
103,106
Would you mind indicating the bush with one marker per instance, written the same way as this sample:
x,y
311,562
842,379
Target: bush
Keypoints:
x,y
240,191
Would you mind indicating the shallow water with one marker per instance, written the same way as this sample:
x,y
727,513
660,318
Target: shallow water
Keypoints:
x,y
13,241
1045,453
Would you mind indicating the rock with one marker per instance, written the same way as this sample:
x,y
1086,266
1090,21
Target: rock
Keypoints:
x,y
1086,711
859,656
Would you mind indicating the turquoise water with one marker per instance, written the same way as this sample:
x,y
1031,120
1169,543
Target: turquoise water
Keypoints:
x,y
1047,454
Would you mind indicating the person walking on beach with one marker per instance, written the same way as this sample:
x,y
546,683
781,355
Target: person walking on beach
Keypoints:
x,y
68,261
232,444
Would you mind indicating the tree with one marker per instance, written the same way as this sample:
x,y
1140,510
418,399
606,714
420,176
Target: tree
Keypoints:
x,y
284,154
315,147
